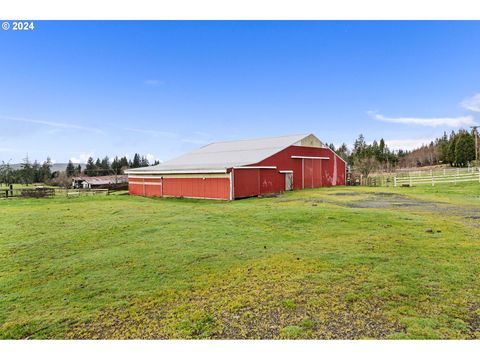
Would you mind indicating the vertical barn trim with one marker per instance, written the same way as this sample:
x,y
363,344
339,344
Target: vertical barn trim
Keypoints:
x,y
320,173
232,185
303,173
313,173
335,154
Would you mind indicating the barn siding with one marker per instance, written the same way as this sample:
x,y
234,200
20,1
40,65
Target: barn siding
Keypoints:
x,y
271,181
246,182
334,166
194,187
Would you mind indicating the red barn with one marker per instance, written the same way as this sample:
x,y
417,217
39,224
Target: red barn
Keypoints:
x,y
237,169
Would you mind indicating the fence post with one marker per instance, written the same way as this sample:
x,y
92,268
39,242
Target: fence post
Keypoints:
x,y
433,181
395,180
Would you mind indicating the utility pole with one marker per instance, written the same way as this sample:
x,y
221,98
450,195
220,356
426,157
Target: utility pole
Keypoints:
x,y
475,133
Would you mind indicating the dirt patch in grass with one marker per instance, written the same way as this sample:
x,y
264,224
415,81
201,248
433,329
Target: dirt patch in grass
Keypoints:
x,y
279,297
388,200
350,193
384,200
474,320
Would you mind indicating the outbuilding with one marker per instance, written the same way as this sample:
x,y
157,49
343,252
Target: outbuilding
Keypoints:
x,y
231,170
98,182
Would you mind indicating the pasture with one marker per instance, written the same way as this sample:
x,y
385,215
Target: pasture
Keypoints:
x,y
330,263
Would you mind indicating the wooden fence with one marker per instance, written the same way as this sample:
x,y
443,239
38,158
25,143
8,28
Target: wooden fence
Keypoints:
x,y
438,177
50,192
418,177
27,192
81,192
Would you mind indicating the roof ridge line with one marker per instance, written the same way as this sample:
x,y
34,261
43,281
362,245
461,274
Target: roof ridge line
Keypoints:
x,y
259,138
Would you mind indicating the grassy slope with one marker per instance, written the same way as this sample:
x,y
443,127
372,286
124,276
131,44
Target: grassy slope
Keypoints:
x,y
305,265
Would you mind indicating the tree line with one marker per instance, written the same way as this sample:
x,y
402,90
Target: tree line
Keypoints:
x,y
27,174
366,158
456,149
35,172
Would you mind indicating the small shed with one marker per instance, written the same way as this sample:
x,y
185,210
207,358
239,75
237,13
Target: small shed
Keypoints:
x,y
231,170
98,182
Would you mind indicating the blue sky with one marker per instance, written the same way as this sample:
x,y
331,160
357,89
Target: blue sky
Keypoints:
x,y
69,90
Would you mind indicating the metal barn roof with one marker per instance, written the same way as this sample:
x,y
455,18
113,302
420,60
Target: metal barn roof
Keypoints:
x,y
102,180
217,157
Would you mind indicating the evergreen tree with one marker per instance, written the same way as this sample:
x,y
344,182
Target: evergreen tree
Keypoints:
x,y
6,174
442,144
136,161
124,162
36,172
116,167
105,166
70,170
26,171
344,153
46,171
464,149
143,162
90,168
450,155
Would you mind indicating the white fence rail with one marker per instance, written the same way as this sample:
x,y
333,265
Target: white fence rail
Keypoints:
x,y
437,177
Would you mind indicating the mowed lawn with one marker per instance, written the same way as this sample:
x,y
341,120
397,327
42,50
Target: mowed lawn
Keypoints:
x,y
331,263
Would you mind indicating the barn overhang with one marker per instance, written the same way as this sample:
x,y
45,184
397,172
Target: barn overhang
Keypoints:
x,y
169,172
310,157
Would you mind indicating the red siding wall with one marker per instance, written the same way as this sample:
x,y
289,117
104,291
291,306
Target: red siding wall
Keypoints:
x,y
317,172
246,182
271,181
212,188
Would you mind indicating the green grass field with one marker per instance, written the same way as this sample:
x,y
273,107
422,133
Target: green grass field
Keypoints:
x,y
342,263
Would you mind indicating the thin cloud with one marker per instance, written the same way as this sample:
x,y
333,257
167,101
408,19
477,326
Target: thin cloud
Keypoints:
x,y
152,132
153,82
151,159
194,141
6,149
407,144
201,133
433,122
82,158
51,123
472,103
